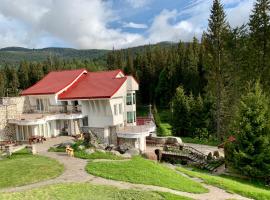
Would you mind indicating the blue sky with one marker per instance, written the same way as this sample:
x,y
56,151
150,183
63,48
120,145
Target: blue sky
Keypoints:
x,y
104,24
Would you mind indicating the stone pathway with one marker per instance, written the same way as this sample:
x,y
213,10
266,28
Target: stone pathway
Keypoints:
x,y
74,172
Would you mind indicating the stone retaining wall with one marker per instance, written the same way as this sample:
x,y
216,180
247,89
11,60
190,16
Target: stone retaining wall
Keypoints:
x,y
10,108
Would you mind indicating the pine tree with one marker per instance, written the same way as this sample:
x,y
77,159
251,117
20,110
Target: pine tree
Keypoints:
x,y
215,44
2,84
250,154
23,75
180,116
259,26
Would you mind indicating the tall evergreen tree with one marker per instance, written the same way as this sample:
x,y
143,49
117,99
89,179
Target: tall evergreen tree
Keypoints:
x,y
250,154
259,26
23,75
215,44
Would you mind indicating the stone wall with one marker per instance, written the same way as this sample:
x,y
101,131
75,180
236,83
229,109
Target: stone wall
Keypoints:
x,y
99,133
10,108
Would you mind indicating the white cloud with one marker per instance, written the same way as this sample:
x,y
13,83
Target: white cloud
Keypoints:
x,y
135,25
86,23
81,23
162,30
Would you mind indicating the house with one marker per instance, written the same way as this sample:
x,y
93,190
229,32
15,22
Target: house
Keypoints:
x,y
67,102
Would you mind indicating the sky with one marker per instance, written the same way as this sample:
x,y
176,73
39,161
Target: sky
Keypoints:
x,y
107,24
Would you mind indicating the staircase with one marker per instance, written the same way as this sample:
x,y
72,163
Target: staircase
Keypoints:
x,y
192,154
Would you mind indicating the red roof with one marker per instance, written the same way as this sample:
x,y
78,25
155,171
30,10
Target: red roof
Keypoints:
x,y
54,82
95,85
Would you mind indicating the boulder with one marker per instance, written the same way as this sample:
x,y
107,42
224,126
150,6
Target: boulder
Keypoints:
x,y
133,152
123,148
89,151
101,150
65,144
126,155
117,153
81,147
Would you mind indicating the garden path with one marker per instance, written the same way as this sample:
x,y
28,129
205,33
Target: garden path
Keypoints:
x,y
75,172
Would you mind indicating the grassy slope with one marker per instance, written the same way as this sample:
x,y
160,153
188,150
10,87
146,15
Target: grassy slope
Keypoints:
x,y
83,191
97,155
23,168
139,170
234,185
83,155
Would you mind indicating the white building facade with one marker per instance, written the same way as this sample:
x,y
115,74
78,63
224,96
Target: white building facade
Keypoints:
x,y
69,102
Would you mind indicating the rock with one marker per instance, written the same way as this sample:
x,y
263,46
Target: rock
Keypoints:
x,y
174,141
110,147
123,148
65,144
117,153
126,155
216,154
210,156
101,150
81,147
89,151
133,152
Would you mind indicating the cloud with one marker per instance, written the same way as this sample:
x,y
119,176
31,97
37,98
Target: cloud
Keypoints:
x,y
81,24
135,25
138,3
88,23
162,30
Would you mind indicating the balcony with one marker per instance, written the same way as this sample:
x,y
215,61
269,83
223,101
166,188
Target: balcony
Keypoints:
x,y
57,109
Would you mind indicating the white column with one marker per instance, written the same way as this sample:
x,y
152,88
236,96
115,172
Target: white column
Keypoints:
x,y
106,135
17,132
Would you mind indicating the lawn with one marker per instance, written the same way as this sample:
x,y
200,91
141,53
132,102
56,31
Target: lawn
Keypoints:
x,y
83,155
234,185
23,168
83,191
97,155
139,170
200,141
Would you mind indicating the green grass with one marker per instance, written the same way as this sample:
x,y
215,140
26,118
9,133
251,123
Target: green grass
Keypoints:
x,y
97,155
200,141
23,168
57,149
83,191
170,196
139,170
234,185
165,129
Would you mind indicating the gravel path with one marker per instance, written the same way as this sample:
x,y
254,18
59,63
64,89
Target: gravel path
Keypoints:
x,y
74,172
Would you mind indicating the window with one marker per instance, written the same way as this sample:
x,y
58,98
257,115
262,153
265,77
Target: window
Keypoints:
x,y
115,110
85,121
120,108
134,98
40,106
134,114
130,117
129,99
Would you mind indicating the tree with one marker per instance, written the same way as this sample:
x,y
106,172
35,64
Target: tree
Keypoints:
x,y
180,116
250,154
259,26
163,88
23,75
2,84
215,43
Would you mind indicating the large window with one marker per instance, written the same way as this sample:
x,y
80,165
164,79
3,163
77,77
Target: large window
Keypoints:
x,y
129,99
131,117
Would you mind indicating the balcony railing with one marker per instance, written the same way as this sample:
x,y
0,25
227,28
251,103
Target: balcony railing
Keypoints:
x,y
57,109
